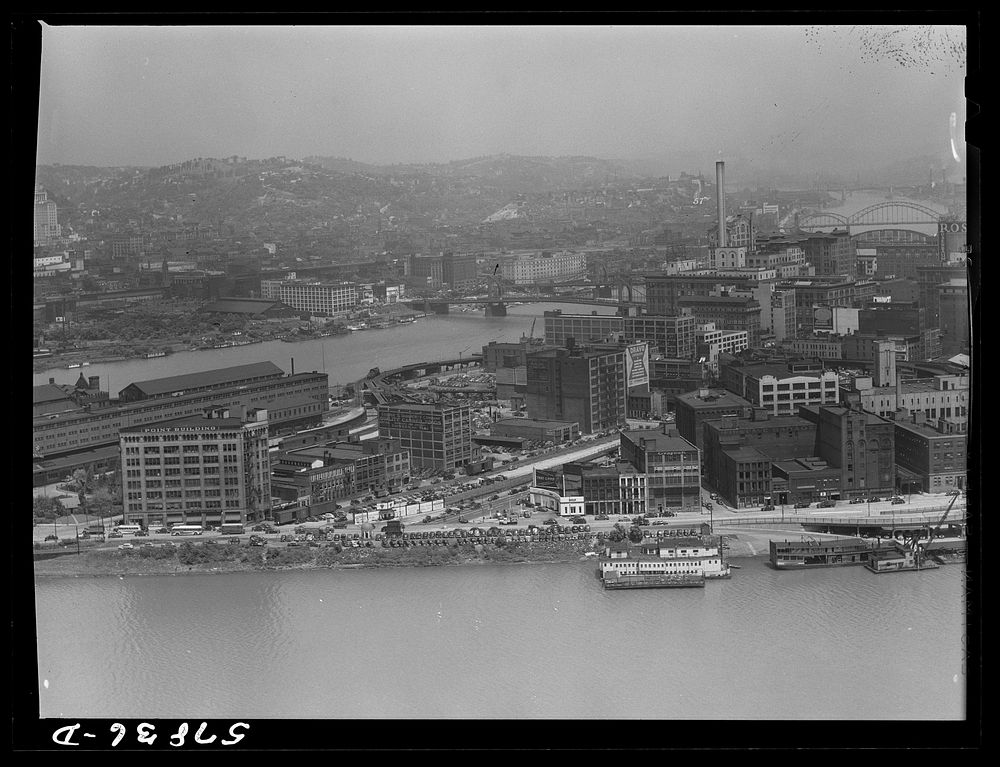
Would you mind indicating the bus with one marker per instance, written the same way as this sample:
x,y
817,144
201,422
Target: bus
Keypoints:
x,y
128,529
186,530
232,528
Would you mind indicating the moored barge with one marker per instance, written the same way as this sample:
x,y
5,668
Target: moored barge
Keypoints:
x,y
804,554
615,580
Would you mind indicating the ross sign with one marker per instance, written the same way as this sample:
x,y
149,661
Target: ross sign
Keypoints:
x,y
952,227
637,365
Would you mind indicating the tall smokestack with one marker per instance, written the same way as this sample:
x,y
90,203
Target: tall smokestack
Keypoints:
x,y
720,192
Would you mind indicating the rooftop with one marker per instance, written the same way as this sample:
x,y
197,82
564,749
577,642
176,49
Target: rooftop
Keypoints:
x,y
537,423
217,377
746,454
714,398
656,441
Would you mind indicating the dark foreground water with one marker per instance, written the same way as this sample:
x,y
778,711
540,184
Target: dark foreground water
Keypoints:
x,y
529,641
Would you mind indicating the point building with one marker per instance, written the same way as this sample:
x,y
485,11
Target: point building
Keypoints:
x,y
208,469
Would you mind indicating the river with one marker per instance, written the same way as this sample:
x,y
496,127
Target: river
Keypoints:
x,y
495,641
345,358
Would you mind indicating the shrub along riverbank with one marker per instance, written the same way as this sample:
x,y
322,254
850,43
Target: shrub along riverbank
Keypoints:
x,y
188,557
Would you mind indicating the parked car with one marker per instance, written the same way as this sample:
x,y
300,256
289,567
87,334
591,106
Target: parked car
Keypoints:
x,y
140,533
493,498
874,499
602,517
897,499
53,537
462,520
803,505
826,504
767,507
857,500
126,546
113,534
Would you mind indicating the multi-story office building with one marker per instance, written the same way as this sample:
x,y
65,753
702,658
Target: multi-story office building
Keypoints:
x,y
932,452
778,388
672,466
696,407
586,387
665,291
929,279
779,438
459,269
783,315
427,271
811,292
902,258
832,253
777,252
291,401
727,313
437,436
207,469
559,327
503,354
860,444
710,343
530,269
744,477
953,310
892,319
612,489
318,299
46,218
825,347
673,337
941,397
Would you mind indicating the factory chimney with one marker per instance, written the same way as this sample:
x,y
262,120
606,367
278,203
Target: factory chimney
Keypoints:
x,y
720,192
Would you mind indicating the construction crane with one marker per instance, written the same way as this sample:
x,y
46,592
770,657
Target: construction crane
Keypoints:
x,y
937,525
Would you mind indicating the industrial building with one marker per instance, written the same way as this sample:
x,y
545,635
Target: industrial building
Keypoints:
x,y
436,436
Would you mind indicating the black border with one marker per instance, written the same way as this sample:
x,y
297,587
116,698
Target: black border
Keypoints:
x,y
30,733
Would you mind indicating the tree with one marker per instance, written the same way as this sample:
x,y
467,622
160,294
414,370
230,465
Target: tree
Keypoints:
x,y
47,508
81,482
102,501
635,534
618,533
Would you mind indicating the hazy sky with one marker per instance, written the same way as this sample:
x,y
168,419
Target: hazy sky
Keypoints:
x,y
772,96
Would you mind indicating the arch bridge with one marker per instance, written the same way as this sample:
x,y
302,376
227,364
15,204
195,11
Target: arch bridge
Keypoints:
x,y
889,215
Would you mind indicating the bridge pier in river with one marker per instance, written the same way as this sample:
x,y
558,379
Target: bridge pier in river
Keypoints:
x,y
498,309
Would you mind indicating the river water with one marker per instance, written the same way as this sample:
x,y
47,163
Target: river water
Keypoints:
x,y
503,641
345,358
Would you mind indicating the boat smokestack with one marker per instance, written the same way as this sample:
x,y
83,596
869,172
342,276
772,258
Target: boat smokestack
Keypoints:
x,y
720,193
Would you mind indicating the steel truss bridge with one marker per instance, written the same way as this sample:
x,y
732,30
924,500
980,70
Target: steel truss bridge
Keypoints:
x,y
890,215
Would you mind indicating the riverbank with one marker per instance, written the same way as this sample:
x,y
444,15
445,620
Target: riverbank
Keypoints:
x,y
222,558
